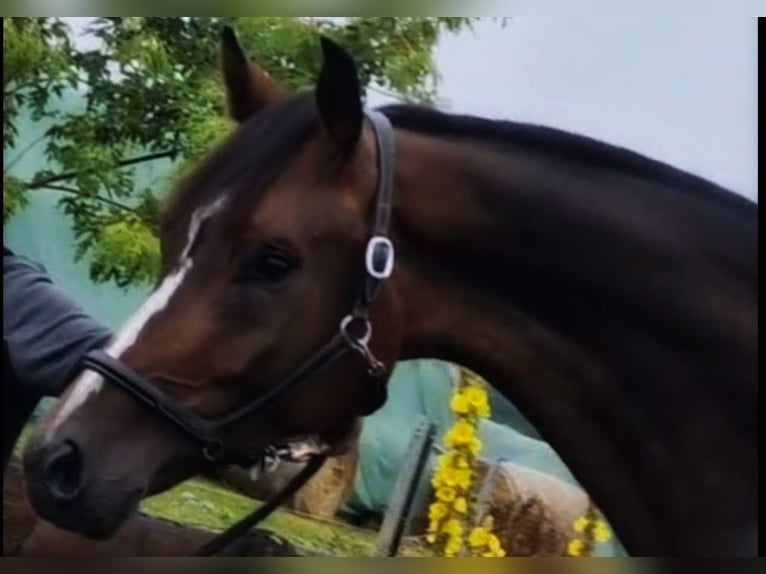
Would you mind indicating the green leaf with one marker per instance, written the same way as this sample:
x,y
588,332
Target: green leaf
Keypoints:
x,y
126,252
14,197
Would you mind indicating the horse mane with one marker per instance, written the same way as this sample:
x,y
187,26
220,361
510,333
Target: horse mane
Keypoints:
x,y
286,126
566,145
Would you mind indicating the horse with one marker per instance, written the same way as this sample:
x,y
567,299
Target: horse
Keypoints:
x,y
610,296
24,534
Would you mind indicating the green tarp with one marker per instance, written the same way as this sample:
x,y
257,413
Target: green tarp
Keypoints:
x,y
423,389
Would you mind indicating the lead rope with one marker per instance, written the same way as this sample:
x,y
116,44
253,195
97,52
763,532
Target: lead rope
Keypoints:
x,y
240,528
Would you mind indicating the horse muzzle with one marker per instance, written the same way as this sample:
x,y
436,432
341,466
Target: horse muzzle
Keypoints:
x,y
63,490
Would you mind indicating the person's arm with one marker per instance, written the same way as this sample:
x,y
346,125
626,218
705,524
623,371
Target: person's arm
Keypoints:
x,y
46,332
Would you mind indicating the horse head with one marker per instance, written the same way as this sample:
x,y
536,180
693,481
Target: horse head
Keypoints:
x,y
263,257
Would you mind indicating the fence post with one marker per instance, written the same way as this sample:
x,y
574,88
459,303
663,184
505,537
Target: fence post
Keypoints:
x,y
400,505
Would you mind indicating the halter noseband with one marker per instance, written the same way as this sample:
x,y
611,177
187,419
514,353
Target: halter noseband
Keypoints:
x,y
354,333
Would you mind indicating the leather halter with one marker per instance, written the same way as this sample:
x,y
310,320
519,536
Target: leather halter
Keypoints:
x,y
353,335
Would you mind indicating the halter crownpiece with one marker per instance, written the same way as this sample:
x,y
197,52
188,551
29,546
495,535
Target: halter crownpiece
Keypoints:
x,y
354,334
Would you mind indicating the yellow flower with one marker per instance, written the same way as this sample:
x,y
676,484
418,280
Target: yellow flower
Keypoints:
x,y
580,524
463,478
460,404
440,476
475,396
445,493
493,553
494,544
437,510
453,527
449,476
447,460
475,446
478,537
462,433
454,476
576,547
601,531
452,547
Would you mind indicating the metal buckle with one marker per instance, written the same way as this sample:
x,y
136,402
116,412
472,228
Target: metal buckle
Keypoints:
x,y
297,451
303,451
356,342
361,344
213,450
373,250
270,459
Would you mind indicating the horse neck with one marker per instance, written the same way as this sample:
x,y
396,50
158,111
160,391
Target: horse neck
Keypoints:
x,y
513,265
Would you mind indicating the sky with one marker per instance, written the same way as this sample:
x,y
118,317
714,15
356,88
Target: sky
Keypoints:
x,y
679,89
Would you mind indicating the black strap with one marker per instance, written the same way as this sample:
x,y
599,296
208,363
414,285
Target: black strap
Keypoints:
x,y
323,358
208,431
384,138
137,387
240,528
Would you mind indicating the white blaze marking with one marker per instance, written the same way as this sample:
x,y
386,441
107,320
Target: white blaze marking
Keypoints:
x,y
89,382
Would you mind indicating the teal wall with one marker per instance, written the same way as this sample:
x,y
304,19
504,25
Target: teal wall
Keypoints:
x,y
42,232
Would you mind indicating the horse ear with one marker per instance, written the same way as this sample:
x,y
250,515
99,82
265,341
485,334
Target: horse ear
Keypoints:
x,y
339,96
248,88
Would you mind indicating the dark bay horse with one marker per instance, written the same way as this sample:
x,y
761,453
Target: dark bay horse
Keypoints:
x,y
611,297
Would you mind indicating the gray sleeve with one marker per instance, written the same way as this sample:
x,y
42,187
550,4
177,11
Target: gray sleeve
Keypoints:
x,y
46,332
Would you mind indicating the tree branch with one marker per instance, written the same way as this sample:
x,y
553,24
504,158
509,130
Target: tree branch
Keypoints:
x,y
97,197
18,87
21,154
45,182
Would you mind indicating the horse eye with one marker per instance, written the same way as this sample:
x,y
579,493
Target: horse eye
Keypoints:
x,y
267,266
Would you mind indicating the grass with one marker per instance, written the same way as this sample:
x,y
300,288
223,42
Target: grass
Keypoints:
x,y
206,504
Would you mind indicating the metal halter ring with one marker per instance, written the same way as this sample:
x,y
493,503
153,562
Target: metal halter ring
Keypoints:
x,y
358,342
213,450
361,344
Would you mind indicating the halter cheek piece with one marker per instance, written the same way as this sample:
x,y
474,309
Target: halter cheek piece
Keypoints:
x,y
353,335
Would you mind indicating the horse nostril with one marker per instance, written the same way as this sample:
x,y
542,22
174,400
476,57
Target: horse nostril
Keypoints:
x,y
64,471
